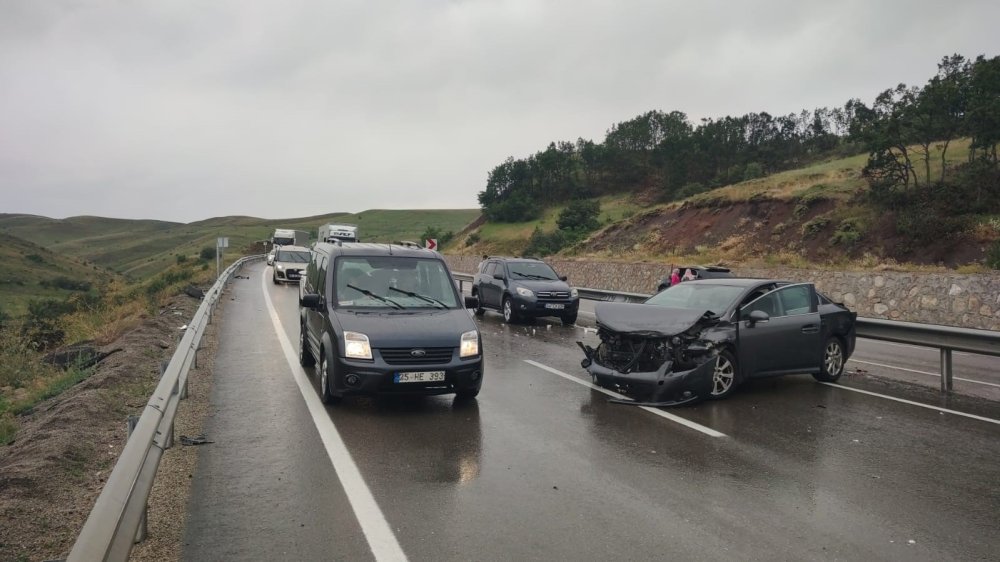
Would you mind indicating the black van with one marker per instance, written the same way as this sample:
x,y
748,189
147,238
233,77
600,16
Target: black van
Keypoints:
x,y
387,319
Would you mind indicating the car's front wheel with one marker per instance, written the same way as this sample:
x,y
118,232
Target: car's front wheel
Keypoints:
x,y
509,315
833,361
306,358
479,310
569,319
467,394
274,278
325,376
725,376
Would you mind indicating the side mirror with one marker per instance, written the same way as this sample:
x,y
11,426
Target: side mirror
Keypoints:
x,y
312,301
563,278
471,301
498,276
759,316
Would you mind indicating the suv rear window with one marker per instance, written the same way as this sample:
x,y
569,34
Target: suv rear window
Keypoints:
x,y
392,282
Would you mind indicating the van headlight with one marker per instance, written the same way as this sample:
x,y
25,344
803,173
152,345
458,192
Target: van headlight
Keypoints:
x,y
470,344
356,346
280,267
574,293
525,292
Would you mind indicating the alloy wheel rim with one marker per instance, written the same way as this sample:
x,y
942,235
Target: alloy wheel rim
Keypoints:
x,y
322,376
507,312
722,378
833,358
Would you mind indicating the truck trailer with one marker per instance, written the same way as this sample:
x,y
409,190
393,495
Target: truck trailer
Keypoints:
x,y
338,232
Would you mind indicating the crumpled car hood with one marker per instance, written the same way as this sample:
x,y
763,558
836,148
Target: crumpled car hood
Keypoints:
x,y
646,320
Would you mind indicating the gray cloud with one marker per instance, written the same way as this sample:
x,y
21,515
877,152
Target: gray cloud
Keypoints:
x,y
187,110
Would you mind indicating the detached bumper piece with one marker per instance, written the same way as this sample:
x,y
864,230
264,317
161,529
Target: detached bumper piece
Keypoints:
x,y
660,388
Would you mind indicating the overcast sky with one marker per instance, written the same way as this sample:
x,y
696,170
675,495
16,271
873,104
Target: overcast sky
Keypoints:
x,y
185,110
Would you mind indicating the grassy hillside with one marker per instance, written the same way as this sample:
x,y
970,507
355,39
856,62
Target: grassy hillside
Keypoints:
x,y
816,214
30,271
139,249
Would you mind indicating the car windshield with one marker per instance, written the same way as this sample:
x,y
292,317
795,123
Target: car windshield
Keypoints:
x,y
696,295
289,256
532,270
393,282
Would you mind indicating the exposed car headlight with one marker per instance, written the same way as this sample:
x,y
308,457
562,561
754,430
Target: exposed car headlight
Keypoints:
x,y
525,292
281,266
470,344
574,293
356,346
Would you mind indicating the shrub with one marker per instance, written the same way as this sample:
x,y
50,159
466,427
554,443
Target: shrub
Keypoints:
x,y
848,233
993,255
580,215
207,253
181,258
67,284
35,258
752,171
814,227
472,239
545,244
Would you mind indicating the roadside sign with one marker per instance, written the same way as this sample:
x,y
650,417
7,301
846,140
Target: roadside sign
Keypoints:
x,y
431,244
222,242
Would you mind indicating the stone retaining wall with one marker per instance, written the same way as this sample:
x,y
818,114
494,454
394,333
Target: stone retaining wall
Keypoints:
x,y
952,299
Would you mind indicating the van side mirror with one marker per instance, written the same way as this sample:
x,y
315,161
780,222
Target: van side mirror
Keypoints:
x,y
563,278
471,301
498,276
311,300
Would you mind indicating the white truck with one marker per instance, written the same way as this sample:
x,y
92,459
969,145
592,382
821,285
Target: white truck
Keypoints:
x,y
288,237
338,232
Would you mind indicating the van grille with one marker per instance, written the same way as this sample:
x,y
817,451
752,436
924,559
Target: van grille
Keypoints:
x,y
404,355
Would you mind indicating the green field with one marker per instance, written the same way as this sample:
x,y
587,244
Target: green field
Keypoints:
x,y
141,248
31,272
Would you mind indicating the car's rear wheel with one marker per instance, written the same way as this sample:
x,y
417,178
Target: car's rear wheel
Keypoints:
x,y
325,395
569,319
725,376
509,315
306,358
833,361
479,310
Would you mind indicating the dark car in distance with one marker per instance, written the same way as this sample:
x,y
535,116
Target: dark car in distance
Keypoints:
x,y
701,339
387,319
524,288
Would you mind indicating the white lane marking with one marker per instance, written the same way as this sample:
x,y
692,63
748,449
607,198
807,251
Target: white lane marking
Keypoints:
x,y
912,403
687,423
938,375
380,537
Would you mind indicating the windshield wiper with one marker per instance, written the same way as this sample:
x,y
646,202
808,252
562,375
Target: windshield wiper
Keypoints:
x,y
533,276
368,293
425,298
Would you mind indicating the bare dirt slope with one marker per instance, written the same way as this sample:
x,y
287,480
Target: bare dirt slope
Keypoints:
x,y
51,474
763,226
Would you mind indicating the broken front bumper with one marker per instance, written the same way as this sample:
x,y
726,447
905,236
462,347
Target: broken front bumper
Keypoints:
x,y
662,387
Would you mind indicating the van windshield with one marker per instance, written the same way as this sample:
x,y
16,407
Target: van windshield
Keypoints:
x,y
290,256
392,282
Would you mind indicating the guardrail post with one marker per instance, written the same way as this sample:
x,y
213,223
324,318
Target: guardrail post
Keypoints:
x,y
140,533
946,374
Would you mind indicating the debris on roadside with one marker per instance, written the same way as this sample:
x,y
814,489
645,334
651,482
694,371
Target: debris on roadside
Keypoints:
x,y
196,440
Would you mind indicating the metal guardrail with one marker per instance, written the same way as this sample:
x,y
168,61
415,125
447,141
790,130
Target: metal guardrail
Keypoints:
x,y
118,518
944,338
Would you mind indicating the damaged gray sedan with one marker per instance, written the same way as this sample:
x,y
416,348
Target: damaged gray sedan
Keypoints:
x,y
700,339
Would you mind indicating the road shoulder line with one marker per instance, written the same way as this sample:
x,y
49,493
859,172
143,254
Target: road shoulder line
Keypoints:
x,y
379,535
912,403
667,415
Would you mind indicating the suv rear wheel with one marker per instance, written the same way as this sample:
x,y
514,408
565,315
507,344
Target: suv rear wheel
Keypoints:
x,y
479,310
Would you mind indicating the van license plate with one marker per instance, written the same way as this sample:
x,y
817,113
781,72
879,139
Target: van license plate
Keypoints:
x,y
420,376
555,306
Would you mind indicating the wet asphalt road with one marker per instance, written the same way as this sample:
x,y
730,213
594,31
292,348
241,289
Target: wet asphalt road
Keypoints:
x,y
542,468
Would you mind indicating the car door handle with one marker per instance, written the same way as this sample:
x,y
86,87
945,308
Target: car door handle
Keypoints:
x,y
810,329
